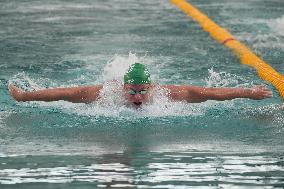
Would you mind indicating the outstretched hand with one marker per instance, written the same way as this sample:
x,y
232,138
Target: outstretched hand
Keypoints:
x,y
259,92
15,92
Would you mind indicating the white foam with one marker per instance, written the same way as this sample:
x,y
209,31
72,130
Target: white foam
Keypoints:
x,y
263,39
277,25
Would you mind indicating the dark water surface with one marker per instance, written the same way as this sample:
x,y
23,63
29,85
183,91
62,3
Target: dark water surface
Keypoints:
x,y
56,43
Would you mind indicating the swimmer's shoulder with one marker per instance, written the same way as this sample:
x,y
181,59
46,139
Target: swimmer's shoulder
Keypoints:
x,y
188,93
178,88
174,92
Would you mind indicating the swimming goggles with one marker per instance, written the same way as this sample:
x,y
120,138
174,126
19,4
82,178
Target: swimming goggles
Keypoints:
x,y
133,92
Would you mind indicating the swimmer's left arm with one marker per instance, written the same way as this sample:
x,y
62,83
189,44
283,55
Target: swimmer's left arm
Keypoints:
x,y
195,94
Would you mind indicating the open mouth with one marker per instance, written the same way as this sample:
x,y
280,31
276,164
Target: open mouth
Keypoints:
x,y
137,103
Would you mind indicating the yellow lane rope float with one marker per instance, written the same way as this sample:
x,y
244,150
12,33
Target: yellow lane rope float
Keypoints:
x,y
265,71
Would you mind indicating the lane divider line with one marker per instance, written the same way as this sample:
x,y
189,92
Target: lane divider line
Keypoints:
x,y
246,56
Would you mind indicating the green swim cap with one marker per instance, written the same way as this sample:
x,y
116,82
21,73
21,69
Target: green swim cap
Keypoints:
x,y
137,74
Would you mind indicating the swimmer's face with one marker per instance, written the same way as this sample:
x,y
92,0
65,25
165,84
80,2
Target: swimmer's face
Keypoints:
x,y
137,94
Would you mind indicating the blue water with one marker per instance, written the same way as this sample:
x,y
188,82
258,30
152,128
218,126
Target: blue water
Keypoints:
x,y
48,44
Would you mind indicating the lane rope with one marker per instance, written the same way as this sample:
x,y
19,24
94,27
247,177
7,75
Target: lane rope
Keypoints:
x,y
246,56
227,40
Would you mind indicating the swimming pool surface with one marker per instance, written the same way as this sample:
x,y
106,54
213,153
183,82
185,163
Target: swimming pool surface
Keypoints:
x,y
230,144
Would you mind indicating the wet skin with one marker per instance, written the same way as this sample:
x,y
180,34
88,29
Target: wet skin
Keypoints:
x,y
137,99
137,95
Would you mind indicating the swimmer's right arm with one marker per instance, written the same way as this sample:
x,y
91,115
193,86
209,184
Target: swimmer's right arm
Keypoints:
x,y
84,94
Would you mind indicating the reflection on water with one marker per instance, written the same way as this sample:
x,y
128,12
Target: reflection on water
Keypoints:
x,y
147,170
165,152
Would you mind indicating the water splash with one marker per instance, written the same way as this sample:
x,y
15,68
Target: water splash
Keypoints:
x,y
117,67
26,83
224,79
112,102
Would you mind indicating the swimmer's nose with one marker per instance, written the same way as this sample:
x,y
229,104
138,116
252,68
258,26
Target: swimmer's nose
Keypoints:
x,y
138,96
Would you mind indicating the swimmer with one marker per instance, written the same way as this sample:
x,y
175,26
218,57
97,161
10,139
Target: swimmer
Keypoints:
x,y
138,90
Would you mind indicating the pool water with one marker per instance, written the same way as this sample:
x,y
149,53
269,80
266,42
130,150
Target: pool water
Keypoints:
x,y
48,44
